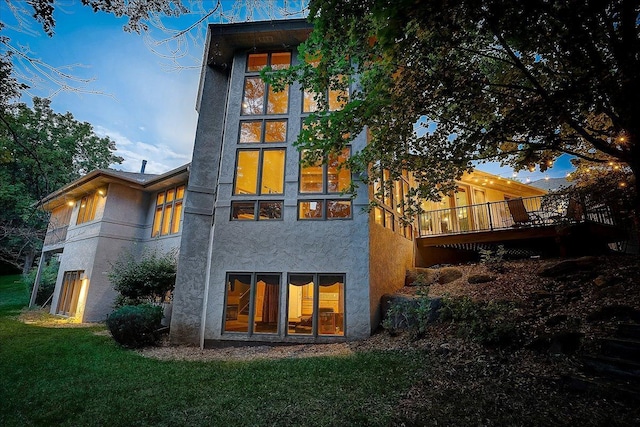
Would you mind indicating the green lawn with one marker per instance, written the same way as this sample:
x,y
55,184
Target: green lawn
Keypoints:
x,y
73,377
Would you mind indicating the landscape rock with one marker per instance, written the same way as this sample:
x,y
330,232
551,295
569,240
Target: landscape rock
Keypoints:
x,y
449,274
480,278
420,276
569,266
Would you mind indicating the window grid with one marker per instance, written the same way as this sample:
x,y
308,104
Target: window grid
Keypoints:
x,y
168,211
390,207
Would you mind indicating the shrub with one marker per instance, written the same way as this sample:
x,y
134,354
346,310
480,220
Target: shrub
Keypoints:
x,y
135,326
494,260
48,279
488,323
147,279
413,315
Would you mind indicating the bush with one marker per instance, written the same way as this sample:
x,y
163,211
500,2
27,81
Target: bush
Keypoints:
x,y
488,323
135,326
147,279
47,281
413,315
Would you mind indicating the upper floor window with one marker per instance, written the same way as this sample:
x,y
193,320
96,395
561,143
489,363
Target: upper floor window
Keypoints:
x,y
259,98
166,219
88,205
335,96
259,172
330,177
391,196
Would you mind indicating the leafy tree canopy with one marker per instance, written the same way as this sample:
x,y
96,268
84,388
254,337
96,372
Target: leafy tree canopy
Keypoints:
x,y
441,85
40,151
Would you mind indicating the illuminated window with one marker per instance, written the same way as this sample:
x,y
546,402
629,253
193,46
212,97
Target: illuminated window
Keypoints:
x,y
324,209
252,303
335,97
88,205
315,305
391,196
70,293
166,219
263,131
246,210
331,177
260,98
259,172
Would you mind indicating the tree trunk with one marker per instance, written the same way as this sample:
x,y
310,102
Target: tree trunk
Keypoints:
x,y
28,261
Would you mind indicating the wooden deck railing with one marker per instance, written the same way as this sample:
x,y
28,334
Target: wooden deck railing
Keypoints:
x,y
56,235
512,213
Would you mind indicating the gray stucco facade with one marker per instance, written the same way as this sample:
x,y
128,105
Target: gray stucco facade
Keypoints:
x,y
122,221
214,245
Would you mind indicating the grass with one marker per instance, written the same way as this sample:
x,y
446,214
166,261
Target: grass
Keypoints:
x,y
71,376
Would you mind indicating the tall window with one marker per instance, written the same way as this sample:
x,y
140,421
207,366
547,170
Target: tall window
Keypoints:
x,y
166,219
316,304
391,196
252,303
259,98
70,293
88,205
260,172
330,177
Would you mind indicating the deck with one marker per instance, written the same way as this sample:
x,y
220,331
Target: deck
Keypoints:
x,y
547,220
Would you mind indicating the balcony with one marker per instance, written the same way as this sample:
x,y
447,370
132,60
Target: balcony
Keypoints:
x,y
551,218
55,235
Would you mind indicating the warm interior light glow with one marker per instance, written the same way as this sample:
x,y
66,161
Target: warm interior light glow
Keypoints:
x,y
71,203
82,299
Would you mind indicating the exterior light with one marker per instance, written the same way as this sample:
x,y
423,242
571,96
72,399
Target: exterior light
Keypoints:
x,y
71,203
623,184
101,192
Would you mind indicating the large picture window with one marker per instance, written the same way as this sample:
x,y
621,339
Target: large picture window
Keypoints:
x,y
166,219
316,304
259,98
252,303
259,172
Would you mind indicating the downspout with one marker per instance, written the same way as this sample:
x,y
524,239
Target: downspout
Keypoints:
x,y
207,282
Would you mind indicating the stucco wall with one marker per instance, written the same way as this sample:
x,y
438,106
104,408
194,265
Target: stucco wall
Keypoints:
x,y
281,246
390,256
198,212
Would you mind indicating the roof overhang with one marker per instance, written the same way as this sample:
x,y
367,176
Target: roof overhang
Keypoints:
x,y
225,39
102,177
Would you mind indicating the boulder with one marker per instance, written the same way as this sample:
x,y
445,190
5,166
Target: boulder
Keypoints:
x,y
569,266
448,275
420,276
480,278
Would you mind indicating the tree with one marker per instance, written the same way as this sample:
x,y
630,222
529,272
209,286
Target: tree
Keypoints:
x,y
40,151
444,85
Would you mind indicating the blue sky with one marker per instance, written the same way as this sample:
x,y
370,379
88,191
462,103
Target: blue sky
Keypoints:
x,y
133,98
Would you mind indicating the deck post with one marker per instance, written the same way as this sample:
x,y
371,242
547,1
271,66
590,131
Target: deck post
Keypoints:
x,y
490,219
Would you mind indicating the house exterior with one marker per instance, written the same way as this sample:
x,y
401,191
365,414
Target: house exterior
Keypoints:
x,y
96,218
270,250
